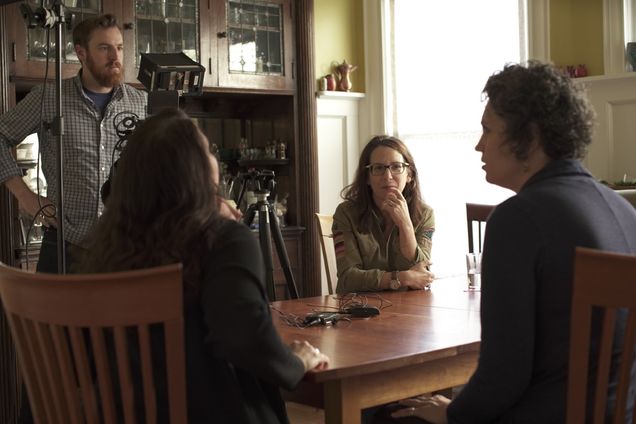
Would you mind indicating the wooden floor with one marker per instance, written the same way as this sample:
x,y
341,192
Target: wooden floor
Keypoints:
x,y
302,414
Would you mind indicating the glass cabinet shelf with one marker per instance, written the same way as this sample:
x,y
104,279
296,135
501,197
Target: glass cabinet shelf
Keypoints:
x,y
167,26
255,37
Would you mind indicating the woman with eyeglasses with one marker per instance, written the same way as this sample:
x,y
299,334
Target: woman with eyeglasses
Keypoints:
x,y
383,230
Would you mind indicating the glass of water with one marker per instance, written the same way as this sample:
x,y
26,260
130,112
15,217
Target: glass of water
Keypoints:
x,y
473,267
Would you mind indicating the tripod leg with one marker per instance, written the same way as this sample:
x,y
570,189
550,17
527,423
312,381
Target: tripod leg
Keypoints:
x,y
265,239
282,254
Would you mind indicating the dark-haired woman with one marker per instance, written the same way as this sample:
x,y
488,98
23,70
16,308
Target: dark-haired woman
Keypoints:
x,y
163,208
383,230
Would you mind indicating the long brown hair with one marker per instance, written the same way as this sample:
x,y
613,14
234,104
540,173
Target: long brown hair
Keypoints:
x,y
359,192
163,203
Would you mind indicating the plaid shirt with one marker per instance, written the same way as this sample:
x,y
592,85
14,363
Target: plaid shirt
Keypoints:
x,y
88,142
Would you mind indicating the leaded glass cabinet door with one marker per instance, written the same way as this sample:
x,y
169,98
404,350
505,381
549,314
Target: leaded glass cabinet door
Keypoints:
x,y
160,26
29,45
255,44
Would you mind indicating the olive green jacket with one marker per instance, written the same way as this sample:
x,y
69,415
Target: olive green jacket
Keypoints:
x,y
363,258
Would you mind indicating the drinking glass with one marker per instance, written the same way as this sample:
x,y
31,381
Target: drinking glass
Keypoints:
x,y
473,266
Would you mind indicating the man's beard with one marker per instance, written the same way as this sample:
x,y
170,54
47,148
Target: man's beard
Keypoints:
x,y
104,75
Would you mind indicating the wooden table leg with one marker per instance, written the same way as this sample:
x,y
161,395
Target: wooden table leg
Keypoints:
x,y
342,402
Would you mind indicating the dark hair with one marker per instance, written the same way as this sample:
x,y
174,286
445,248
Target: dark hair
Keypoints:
x,y
83,31
538,99
163,204
360,193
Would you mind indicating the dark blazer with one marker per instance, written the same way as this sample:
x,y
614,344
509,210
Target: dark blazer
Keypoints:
x,y
527,271
236,361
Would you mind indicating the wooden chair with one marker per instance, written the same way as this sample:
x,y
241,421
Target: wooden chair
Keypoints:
x,y
62,326
606,281
324,223
476,216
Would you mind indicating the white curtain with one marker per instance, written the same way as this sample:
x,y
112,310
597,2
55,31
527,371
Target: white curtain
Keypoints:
x,y
441,53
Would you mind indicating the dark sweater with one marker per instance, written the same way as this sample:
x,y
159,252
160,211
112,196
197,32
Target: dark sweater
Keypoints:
x,y
527,270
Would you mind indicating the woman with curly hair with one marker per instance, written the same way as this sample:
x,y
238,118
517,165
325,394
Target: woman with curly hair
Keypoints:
x,y
383,230
537,126
163,208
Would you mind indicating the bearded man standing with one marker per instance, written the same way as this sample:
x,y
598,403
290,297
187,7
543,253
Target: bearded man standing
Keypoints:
x,y
90,102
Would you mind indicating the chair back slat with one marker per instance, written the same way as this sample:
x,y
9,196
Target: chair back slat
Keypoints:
x,y
624,378
604,361
125,378
176,381
75,336
104,381
40,370
605,283
324,224
85,380
53,379
476,217
65,363
147,377
24,350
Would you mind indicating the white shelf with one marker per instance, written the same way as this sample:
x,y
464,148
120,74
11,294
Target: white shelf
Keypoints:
x,y
339,95
623,75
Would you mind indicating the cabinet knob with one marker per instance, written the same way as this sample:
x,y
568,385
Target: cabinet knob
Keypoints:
x,y
128,25
222,34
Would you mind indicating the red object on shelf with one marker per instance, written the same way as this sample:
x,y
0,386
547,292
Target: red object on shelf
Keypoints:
x,y
331,82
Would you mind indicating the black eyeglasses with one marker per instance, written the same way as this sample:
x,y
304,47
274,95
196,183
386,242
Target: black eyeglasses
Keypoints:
x,y
396,168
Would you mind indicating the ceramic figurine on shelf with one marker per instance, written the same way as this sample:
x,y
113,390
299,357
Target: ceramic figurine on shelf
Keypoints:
x,y
331,82
344,71
580,71
280,150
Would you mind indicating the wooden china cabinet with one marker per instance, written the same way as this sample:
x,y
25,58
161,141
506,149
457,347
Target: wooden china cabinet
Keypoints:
x,y
258,88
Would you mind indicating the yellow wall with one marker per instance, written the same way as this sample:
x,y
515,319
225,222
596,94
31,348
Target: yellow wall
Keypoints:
x,y
576,33
339,36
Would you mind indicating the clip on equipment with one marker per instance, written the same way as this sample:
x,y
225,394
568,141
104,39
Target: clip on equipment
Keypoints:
x,y
321,318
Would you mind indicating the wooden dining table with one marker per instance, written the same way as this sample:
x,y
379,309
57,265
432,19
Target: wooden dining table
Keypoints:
x,y
421,341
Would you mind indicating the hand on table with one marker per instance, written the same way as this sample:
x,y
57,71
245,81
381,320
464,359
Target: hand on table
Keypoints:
x,y
311,356
429,408
420,278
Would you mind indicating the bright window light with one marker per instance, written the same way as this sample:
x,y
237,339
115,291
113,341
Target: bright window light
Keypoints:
x,y
442,54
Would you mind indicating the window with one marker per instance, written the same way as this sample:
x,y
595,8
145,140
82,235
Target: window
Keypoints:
x,y
441,55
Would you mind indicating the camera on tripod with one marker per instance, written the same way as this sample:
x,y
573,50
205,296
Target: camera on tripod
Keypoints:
x,y
263,184
257,181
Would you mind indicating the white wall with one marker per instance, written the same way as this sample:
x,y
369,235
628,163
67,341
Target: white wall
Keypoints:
x,y
613,150
338,149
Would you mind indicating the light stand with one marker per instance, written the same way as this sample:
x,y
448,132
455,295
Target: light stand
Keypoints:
x,y
48,18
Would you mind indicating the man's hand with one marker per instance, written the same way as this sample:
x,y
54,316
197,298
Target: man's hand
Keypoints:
x,y
32,205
